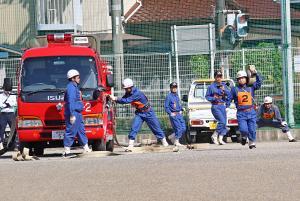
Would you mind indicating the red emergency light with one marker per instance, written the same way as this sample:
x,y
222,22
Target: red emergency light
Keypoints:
x,y
59,38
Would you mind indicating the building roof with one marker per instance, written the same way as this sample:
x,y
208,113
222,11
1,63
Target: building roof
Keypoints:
x,y
170,10
266,9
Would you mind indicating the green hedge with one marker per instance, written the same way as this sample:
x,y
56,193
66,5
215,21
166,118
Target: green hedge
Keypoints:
x,y
281,107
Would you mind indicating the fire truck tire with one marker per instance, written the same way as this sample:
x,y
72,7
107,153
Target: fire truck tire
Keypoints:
x,y
35,149
38,150
25,145
99,145
110,145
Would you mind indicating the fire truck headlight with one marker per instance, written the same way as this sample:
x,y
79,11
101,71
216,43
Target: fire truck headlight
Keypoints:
x,y
29,123
93,120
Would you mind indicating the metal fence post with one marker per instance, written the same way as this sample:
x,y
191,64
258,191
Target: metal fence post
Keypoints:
x,y
243,58
211,50
176,60
287,61
170,66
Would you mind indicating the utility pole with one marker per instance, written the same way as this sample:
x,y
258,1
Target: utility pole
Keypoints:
x,y
220,21
117,37
287,68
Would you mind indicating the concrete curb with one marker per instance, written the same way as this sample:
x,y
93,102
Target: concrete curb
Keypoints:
x,y
262,136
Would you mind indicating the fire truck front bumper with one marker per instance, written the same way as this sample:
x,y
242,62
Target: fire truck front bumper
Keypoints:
x,y
42,134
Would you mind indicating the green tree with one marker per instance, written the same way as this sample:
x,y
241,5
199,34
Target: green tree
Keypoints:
x,y
200,65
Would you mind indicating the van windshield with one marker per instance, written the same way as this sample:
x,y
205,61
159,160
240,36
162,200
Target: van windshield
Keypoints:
x,y
50,73
201,88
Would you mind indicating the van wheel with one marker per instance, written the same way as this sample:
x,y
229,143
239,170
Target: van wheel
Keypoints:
x,y
99,145
110,145
186,137
233,135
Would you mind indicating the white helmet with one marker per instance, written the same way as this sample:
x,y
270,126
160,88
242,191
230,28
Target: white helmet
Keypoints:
x,y
127,83
268,99
240,74
72,73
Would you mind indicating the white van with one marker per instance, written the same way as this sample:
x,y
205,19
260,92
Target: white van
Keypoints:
x,y
200,119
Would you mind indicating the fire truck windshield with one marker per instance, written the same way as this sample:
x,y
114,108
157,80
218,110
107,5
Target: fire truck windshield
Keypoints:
x,y
49,74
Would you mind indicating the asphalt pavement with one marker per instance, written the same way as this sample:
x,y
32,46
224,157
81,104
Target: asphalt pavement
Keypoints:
x,y
227,172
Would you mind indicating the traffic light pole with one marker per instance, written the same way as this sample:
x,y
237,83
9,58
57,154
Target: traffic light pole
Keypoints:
x,y
117,36
287,67
220,21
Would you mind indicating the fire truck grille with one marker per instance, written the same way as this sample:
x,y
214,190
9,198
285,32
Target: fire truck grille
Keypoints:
x,y
55,122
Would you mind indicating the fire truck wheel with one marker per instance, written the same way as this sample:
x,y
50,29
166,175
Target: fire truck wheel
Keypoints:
x,y
38,150
34,148
25,145
110,146
99,145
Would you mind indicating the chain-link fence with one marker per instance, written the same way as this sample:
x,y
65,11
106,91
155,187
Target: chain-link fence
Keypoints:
x,y
153,72
8,68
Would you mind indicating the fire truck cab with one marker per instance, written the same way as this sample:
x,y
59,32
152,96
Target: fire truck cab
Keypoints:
x,y
42,80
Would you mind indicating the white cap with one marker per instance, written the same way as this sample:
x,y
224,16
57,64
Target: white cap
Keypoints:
x,y
72,73
240,74
268,99
127,83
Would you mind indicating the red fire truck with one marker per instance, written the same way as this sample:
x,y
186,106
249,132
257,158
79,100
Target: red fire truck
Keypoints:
x,y
41,87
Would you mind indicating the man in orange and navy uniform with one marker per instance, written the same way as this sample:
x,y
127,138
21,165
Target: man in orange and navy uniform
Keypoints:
x,y
243,96
144,112
269,116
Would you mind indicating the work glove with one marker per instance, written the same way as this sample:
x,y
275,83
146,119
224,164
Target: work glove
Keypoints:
x,y
252,69
72,119
173,114
284,123
112,97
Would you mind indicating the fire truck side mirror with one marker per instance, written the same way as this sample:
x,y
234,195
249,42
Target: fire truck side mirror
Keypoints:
x,y
110,80
97,92
7,84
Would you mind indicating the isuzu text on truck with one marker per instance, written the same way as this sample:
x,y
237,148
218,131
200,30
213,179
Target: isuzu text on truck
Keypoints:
x,y
41,86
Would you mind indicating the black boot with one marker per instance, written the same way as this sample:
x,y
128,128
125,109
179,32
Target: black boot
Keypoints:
x,y
244,141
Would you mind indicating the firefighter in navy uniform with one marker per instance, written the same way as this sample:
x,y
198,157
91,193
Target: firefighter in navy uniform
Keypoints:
x,y
269,116
174,110
243,96
144,112
217,93
73,117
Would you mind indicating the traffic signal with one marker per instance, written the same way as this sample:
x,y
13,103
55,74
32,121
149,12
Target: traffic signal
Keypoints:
x,y
242,28
229,34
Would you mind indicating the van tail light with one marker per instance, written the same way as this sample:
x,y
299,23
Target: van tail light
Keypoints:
x,y
196,122
232,121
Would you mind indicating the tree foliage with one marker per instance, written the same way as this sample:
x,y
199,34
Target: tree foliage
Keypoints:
x,y
200,65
